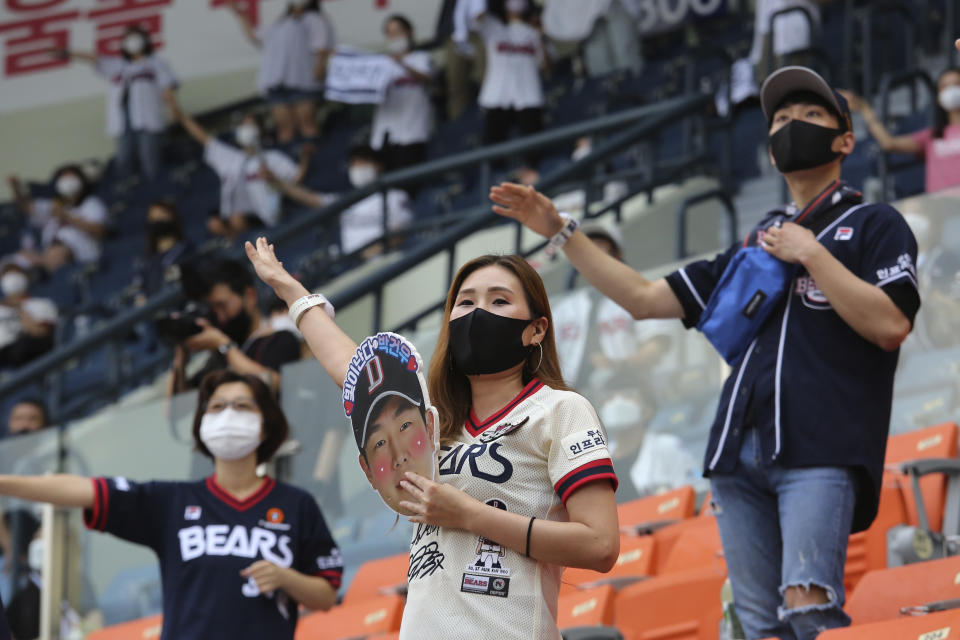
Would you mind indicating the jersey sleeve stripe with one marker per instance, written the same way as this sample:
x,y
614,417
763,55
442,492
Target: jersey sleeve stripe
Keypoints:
x,y
334,577
95,517
902,274
693,289
590,472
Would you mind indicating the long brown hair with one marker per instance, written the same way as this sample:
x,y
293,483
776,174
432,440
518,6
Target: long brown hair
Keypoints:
x,y
449,390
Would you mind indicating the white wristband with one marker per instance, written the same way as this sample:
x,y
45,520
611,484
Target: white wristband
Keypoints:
x,y
301,305
570,224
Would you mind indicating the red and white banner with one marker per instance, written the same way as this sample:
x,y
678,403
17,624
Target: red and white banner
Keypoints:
x,y
198,38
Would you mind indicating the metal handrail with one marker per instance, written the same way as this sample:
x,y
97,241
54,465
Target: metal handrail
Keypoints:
x,y
471,159
651,117
483,216
887,83
684,209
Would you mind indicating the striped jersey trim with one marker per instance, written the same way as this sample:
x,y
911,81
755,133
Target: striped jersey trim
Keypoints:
x,y
590,472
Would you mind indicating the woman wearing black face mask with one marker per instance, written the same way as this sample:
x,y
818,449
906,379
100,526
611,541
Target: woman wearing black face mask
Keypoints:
x,y
526,483
166,247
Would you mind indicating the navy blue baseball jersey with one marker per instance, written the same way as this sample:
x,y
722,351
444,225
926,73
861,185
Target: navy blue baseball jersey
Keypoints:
x,y
204,538
817,391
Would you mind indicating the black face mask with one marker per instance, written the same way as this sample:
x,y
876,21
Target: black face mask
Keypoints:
x,y
482,342
801,145
163,228
237,328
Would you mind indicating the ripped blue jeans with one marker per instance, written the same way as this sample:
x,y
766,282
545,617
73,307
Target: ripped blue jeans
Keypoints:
x,y
784,528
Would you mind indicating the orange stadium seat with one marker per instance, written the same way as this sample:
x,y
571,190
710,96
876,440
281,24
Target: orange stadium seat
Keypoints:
x,y
144,628
654,511
667,537
394,635
366,618
696,546
678,606
939,441
882,593
589,607
682,602
867,550
385,576
634,562
934,626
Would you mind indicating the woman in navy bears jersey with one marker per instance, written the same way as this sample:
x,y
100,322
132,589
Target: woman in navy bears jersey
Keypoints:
x,y
526,486
238,553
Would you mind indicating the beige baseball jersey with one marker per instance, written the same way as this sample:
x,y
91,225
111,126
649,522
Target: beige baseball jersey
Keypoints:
x,y
528,458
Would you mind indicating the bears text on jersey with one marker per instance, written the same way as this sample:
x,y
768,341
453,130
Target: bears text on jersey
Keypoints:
x,y
222,540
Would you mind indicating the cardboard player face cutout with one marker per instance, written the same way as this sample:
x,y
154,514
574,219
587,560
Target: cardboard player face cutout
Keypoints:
x,y
385,397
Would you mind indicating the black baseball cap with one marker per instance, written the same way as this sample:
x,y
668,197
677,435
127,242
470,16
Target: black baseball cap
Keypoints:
x,y
389,366
782,82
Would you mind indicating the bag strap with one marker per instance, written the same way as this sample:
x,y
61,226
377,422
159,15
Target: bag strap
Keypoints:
x,y
812,217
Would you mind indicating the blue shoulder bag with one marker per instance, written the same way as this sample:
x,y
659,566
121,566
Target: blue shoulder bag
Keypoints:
x,y
751,287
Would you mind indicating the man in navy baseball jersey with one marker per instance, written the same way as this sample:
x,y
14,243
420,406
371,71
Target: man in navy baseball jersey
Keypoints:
x,y
796,450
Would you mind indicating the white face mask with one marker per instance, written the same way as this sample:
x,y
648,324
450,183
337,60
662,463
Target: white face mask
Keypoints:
x,y
398,45
580,152
35,555
231,434
68,185
516,6
247,135
950,98
133,44
13,283
362,175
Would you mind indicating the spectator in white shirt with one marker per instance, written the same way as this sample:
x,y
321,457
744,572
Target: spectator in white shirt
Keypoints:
x,y
247,200
404,120
141,83
72,223
608,30
26,324
362,223
512,90
295,51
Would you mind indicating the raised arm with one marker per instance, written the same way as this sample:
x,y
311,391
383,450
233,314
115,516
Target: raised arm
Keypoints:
x,y
332,347
618,281
193,127
21,198
63,490
293,190
886,140
245,24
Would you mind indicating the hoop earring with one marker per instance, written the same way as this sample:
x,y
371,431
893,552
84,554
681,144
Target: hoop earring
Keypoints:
x,y
540,361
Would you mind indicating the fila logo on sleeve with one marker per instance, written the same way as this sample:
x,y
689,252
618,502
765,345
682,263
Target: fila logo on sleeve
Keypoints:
x,y
843,233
